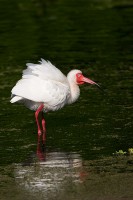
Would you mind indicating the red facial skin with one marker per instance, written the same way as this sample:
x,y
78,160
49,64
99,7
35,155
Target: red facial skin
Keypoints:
x,y
81,79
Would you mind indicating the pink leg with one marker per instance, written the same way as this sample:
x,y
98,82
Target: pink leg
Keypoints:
x,y
44,129
37,121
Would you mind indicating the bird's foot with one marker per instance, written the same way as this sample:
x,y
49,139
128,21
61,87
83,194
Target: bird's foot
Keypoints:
x,y
42,137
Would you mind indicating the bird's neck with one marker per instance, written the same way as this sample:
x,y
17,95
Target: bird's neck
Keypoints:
x,y
74,92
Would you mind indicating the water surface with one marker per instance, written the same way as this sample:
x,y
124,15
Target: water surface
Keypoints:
x,y
95,37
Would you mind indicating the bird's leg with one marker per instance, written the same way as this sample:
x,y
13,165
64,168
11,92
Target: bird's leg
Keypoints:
x,y
44,129
37,121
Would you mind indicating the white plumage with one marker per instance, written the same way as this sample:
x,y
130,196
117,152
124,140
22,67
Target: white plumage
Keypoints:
x,y
45,88
42,83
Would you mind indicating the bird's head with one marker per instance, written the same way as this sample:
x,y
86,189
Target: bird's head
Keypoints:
x,y
77,77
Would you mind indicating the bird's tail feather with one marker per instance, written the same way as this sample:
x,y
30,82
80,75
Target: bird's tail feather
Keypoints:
x,y
15,99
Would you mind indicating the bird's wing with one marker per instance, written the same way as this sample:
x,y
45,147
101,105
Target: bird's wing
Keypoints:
x,y
46,91
45,70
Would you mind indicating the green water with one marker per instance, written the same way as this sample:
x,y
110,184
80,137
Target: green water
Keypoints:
x,y
95,37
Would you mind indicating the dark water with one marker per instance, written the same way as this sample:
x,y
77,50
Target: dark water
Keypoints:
x,y
97,38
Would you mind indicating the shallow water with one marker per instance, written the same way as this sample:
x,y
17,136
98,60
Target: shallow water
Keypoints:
x,y
95,37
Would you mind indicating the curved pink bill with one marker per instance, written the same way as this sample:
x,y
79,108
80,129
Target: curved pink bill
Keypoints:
x,y
87,80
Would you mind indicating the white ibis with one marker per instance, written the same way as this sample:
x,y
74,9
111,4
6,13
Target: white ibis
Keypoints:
x,y
45,88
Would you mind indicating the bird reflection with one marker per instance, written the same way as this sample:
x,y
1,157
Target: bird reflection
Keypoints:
x,y
41,151
50,172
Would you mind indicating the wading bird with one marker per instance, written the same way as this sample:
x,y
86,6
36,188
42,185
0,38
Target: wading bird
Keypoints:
x,y
45,88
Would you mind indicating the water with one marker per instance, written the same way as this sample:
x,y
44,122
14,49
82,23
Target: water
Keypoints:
x,y
95,37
